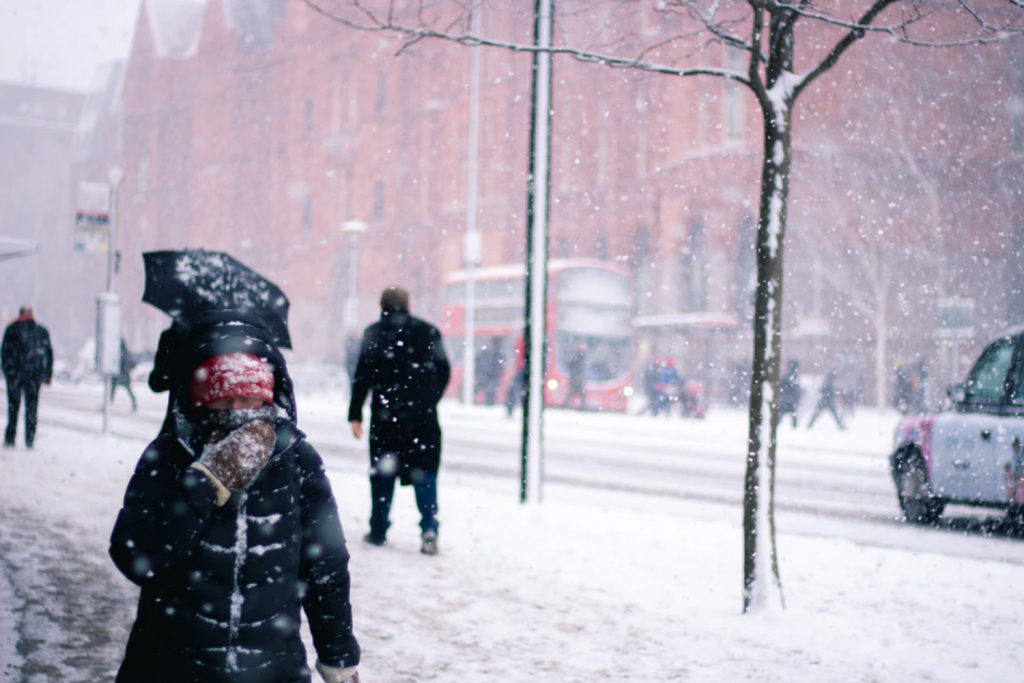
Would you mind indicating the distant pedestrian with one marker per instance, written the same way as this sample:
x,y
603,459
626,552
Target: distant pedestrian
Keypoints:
x,y
904,398
27,360
666,384
124,375
166,366
516,389
919,379
649,385
790,392
576,368
403,363
827,399
489,365
230,528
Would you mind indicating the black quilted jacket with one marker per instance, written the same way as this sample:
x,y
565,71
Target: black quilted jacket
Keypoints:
x,y
223,588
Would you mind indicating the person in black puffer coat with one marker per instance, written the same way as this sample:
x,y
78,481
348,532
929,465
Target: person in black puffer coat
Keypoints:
x,y
230,528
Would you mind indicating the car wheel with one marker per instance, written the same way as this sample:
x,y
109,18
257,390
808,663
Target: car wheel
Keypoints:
x,y
918,502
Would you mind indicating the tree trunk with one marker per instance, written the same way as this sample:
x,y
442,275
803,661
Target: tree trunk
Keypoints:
x,y
759,550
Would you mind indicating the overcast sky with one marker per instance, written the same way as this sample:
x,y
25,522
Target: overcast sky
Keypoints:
x,y
59,43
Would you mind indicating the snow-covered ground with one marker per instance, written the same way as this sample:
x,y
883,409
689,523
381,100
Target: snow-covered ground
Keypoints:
x,y
595,584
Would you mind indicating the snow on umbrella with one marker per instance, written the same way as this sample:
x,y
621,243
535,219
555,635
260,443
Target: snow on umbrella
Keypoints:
x,y
185,284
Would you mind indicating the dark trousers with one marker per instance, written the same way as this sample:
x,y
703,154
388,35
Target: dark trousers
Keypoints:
x,y
382,490
15,388
576,390
822,407
127,387
516,394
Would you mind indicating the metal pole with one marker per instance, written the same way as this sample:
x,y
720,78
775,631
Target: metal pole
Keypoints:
x,y
114,175
536,346
350,319
472,238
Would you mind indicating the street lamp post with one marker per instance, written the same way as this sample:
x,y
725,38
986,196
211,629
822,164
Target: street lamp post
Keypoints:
x,y
350,319
109,304
472,245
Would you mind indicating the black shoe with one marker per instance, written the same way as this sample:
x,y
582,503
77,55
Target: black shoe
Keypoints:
x,y
8,444
373,539
429,546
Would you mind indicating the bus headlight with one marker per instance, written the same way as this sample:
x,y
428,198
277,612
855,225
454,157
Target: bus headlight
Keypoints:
x,y
552,384
627,391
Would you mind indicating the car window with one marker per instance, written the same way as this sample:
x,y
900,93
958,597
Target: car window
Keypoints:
x,y
987,381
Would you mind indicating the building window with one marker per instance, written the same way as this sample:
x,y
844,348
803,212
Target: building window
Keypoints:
x,y
382,94
308,123
735,107
378,200
307,216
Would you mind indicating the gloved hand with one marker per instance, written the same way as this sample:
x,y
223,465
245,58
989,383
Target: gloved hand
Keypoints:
x,y
235,460
336,674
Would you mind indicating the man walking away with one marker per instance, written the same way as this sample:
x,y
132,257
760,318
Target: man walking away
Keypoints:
x,y
166,368
790,392
124,375
827,399
403,363
577,368
27,360
516,395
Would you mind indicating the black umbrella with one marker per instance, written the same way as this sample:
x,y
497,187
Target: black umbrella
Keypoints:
x,y
185,284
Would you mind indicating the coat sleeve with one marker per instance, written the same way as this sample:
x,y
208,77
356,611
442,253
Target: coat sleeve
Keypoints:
x,y
442,368
363,380
166,506
7,353
47,351
324,566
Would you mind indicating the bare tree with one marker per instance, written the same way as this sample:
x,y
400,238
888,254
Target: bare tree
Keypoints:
x,y
765,31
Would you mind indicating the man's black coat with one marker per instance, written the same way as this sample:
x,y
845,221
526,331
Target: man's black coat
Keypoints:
x,y
26,353
402,361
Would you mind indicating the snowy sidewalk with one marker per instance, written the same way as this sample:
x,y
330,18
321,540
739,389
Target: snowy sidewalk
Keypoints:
x,y
590,586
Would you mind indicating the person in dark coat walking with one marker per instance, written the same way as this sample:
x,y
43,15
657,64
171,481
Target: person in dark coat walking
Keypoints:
x,y
403,363
166,366
827,399
124,375
577,369
516,394
790,392
489,365
27,360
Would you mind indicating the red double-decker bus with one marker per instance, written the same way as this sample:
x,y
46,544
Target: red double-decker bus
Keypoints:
x,y
589,306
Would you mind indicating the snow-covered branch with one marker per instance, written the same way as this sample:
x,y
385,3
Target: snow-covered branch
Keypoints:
x,y
415,34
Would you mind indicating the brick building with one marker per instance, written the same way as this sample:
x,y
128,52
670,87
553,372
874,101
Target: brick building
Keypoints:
x,y
259,127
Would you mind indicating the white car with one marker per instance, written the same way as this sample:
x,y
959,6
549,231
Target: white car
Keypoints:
x,y
970,454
